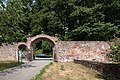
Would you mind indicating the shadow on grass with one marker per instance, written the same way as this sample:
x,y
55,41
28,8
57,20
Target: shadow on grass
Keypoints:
x,y
14,68
108,76
109,71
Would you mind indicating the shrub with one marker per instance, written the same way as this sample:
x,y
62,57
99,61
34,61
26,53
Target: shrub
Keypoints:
x,y
115,54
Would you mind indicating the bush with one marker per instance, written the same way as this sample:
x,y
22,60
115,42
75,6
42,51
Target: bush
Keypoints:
x,y
115,54
39,51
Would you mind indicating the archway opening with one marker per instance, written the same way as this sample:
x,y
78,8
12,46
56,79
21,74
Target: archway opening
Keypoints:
x,y
42,48
22,53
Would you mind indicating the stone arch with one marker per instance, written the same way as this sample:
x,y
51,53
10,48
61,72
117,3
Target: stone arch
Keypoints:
x,y
21,45
36,39
48,38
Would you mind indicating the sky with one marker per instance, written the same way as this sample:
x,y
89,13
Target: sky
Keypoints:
x,y
4,2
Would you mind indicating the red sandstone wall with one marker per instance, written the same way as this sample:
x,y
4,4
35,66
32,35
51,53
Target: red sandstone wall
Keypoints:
x,y
83,50
65,50
8,52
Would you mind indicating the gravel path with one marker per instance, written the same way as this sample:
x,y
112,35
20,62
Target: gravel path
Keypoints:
x,y
26,71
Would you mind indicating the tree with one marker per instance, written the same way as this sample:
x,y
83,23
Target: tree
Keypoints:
x,y
14,22
47,48
90,22
70,19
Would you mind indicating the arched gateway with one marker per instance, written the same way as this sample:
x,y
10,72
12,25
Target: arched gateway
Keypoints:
x,y
62,50
31,41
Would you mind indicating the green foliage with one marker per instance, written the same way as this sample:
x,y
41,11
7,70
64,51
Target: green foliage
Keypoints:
x,y
43,47
11,22
115,54
47,48
70,19
39,51
99,31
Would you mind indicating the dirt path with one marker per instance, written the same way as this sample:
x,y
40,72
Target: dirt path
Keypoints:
x,y
26,71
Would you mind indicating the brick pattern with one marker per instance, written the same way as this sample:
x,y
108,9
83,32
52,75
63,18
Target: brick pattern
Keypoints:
x,y
37,38
8,52
83,50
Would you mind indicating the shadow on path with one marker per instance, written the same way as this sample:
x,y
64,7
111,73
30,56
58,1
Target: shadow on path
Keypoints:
x,y
15,69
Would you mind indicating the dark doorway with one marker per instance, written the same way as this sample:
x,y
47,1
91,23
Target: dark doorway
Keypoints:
x,y
22,53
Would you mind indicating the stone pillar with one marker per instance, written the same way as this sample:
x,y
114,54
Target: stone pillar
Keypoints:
x,y
30,54
55,56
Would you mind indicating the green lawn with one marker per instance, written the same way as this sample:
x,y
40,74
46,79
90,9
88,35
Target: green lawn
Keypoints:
x,y
8,64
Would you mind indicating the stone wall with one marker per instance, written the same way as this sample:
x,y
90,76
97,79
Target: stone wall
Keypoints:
x,y
83,50
107,69
8,52
65,51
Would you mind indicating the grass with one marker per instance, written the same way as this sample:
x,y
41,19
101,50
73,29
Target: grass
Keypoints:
x,y
68,71
38,77
8,64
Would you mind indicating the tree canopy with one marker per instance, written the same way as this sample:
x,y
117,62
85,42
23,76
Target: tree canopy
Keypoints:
x,y
70,19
